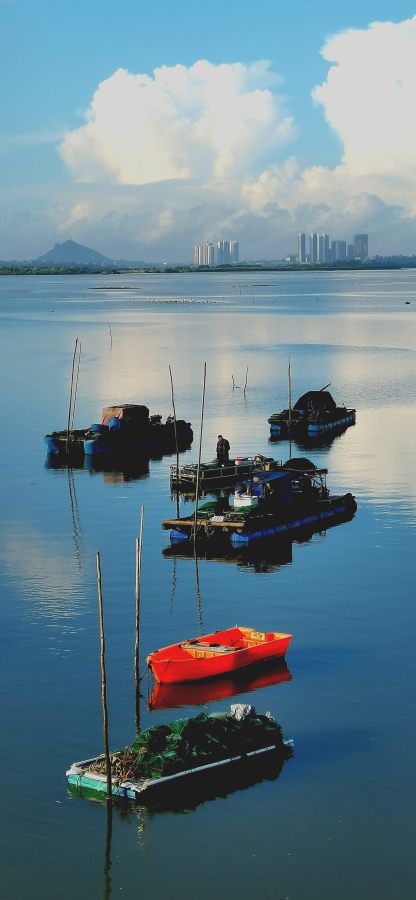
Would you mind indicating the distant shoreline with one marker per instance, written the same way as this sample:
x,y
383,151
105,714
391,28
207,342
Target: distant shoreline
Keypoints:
x,y
180,270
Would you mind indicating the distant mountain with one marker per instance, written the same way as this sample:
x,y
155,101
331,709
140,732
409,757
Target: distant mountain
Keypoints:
x,y
70,252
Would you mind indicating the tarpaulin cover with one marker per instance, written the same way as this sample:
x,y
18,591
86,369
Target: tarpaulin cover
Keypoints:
x,y
127,412
189,743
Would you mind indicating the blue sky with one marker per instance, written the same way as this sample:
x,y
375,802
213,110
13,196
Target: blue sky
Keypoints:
x,y
54,56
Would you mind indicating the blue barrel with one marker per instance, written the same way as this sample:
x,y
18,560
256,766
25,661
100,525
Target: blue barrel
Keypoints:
x,y
114,423
178,537
97,427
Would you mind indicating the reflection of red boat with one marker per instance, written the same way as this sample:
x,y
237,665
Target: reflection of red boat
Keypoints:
x,y
216,654
171,696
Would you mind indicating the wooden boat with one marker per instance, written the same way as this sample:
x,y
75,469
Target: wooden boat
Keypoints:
x,y
125,427
314,414
289,499
216,654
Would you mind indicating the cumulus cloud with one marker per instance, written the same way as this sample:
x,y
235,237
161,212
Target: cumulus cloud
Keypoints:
x,y
198,153
201,122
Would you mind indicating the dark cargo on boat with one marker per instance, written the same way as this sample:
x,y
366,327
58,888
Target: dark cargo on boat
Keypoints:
x,y
313,414
124,427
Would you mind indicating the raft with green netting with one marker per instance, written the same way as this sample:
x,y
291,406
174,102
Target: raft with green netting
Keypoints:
x,y
187,747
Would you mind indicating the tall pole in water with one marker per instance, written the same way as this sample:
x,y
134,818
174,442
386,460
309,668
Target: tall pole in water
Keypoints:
x,y
104,683
200,446
139,546
290,405
76,388
70,395
176,443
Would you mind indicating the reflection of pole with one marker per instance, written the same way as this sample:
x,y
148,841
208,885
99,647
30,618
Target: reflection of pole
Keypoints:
x,y
107,854
76,524
198,594
104,683
139,545
174,581
200,446
176,443
70,396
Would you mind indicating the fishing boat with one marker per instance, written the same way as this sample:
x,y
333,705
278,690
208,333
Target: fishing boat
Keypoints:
x,y
123,428
216,654
289,499
213,476
314,414
167,760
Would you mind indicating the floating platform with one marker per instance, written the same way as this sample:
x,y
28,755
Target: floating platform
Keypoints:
x,y
123,428
252,738
314,414
269,503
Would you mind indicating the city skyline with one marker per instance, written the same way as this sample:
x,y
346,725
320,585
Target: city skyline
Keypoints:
x,y
222,253
340,250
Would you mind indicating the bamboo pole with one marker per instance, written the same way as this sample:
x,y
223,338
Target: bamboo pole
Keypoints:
x,y
104,683
245,384
290,407
139,546
70,395
176,444
200,447
76,388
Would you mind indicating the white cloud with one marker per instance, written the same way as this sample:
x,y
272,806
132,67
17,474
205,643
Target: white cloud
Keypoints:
x,y
201,122
195,154
369,97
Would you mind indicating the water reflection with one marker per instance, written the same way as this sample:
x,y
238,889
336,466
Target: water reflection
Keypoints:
x,y
173,696
263,556
209,784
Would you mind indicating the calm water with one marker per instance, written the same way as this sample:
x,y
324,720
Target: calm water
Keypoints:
x,y
338,822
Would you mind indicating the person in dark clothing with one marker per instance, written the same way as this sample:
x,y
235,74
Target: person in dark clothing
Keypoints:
x,y
223,449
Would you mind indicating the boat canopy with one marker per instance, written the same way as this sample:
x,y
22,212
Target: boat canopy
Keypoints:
x,y
318,400
130,413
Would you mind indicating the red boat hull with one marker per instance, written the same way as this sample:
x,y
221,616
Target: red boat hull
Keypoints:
x,y
216,654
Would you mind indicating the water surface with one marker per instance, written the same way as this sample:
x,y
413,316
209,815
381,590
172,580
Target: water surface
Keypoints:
x,y
337,822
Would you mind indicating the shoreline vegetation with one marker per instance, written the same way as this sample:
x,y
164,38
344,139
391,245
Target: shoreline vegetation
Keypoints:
x,y
332,267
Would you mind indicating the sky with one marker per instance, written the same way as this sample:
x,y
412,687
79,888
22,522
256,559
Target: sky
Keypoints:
x,y
141,129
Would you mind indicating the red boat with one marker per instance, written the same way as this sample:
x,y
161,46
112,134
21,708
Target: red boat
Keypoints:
x,y
216,654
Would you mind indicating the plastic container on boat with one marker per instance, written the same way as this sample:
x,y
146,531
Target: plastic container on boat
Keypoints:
x,y
114,423
245,500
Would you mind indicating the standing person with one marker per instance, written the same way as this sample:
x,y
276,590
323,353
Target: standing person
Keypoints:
x,y
223,449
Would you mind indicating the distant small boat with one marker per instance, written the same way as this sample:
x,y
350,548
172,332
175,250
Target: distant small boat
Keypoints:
x,y
216,654
314,414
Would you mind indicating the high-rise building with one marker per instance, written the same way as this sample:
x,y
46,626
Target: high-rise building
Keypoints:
x,y
313,241
209,254
350,251
234,252
339,251
223,253
199,255
301,248
360,246
322,248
